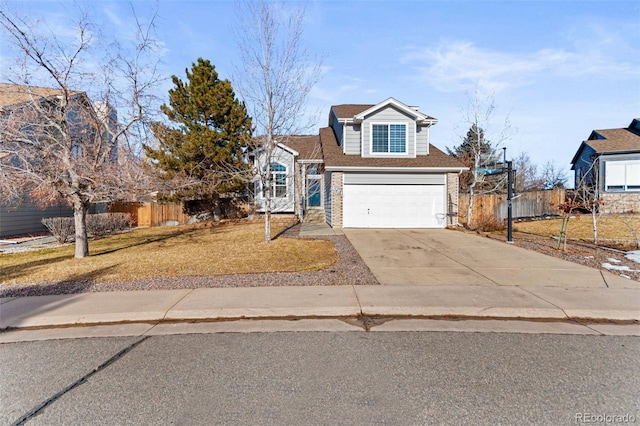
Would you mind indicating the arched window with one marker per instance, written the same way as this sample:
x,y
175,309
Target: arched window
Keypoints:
x,y
278,180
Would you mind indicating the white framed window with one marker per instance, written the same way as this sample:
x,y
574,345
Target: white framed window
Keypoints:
x,y
278,180
622,176
389,138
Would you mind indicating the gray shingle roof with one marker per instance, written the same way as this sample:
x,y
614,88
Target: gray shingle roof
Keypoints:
x,y
333,157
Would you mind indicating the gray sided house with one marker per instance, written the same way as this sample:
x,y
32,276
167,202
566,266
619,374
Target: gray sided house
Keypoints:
x,y
608,164
25,216
372,167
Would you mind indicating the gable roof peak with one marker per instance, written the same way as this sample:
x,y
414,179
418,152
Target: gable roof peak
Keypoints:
x,y
409,110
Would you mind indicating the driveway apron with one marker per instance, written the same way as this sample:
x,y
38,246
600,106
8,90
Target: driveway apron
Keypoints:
x,y
448,257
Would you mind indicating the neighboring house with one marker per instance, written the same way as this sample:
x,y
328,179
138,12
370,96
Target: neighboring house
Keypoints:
x,y
608,164
25,217
372,167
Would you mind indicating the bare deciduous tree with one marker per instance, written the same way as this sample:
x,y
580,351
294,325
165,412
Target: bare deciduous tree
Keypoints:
x,y
553,176
527,178
74,138
584,197
274,78
482,144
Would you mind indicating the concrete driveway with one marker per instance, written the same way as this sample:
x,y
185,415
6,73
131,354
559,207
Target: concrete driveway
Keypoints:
x,y
447,257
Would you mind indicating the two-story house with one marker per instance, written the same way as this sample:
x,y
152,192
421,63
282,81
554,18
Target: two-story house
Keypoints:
x,y
372,167
608,165
20,104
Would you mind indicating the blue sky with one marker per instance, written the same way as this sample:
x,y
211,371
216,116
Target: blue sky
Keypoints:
x,y
557,69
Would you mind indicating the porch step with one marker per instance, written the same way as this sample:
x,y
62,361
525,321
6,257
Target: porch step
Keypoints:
x,y
314,216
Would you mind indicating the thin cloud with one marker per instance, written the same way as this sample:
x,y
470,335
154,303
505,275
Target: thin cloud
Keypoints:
x,y
452,65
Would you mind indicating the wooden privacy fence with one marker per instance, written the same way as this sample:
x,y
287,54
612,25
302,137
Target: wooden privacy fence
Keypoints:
x,y
494,206
151,214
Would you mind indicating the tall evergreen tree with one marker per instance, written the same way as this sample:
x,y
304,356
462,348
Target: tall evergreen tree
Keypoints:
x,y
475,152
472,144
206,145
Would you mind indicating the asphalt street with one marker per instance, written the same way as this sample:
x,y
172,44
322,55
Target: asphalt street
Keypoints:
x,y
322,378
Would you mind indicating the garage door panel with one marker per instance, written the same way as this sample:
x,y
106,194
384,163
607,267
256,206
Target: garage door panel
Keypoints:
x,y
393,206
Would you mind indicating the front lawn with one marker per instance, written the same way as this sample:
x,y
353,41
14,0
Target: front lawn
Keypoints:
x,y
618,228
232,248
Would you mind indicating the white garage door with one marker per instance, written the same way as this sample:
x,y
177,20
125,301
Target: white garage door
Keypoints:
x,y
394,206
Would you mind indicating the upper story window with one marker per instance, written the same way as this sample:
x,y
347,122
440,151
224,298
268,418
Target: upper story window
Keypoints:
x,y
278,180
389,138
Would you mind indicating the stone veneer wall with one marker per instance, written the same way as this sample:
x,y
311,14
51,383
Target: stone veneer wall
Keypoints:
x,y
453,200
620,203
336,199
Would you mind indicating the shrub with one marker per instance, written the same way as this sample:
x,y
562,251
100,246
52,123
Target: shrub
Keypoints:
x,y
62,228
491,224
98,225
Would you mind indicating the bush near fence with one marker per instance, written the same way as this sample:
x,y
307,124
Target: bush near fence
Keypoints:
x,y
490,207
98,225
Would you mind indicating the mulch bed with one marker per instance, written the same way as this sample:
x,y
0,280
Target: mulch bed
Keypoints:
x,y
349,270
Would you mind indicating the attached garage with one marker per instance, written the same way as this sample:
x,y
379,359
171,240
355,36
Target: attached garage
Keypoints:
x,y
394,200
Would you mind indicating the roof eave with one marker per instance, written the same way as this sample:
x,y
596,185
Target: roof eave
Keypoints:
x,y
395,169
391,101
577,154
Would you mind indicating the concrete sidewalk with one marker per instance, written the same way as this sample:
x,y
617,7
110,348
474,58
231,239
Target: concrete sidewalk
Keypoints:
x,y
214,304
428,274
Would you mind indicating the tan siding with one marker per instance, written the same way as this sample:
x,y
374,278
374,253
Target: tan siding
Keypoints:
x,y
336,199
453,199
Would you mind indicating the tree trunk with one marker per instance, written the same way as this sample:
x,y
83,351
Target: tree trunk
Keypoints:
x,y
266,190
80,218
594,220
470,207
216,211
566,230
267,226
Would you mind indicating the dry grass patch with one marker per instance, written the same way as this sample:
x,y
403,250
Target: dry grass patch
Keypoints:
x,y
619,227
234,248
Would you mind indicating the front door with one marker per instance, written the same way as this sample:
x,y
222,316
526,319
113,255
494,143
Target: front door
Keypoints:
x,y
314,191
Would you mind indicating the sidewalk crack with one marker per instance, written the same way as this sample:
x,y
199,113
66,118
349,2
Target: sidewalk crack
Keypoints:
x,y
353,287
177,301
545,300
